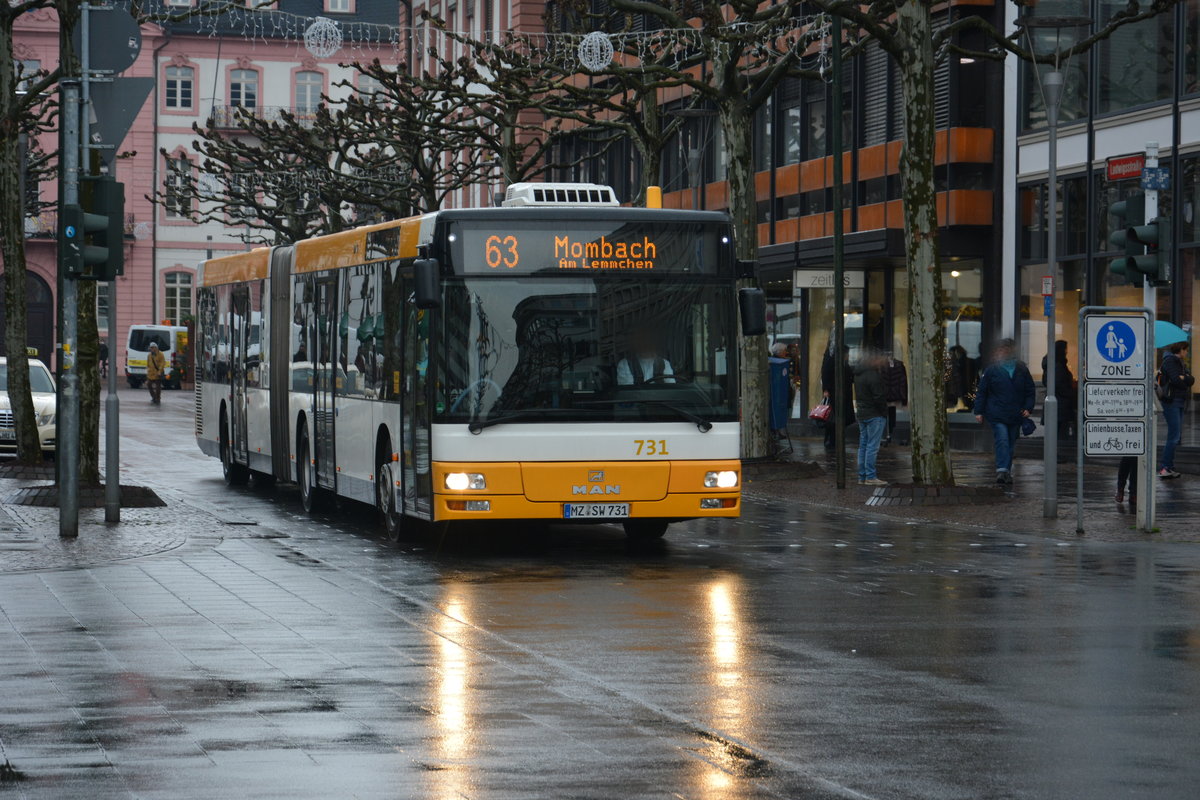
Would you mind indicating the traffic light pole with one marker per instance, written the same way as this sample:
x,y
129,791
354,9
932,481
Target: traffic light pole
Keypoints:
x,y
1146,464
67,446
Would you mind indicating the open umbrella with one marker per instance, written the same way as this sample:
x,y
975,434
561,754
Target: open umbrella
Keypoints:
x,y
1168,333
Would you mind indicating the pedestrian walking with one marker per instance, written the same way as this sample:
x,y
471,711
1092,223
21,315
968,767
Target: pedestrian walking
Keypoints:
x,y
1176,386
780,350
835,394
104,359
1065,389
895,385
1004,399
1127,476
871,406
156,370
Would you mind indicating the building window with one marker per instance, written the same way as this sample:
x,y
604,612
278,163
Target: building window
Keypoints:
x,y
243,88
177,194
102,305
1135,64
368,87
179,87
339,6
308,91
180,3
26,70
178,305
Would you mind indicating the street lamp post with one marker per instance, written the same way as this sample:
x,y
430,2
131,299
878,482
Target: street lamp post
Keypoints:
x,y
1050,39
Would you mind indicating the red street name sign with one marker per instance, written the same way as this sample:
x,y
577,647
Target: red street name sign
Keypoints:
x,y
1120,168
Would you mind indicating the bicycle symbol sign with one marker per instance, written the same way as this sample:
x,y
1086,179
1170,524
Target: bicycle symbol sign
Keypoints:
x,y
1115,341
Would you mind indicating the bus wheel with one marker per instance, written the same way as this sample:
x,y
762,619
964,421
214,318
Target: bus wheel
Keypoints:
x,y
235,474
643,530
390,517
310,495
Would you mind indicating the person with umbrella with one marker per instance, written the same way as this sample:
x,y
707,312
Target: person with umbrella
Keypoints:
x,y
1175,382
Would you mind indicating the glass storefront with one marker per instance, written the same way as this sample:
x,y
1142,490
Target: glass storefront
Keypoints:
x,y
875,317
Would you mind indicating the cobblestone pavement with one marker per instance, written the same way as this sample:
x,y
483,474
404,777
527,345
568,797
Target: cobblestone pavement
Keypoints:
x,y
800,652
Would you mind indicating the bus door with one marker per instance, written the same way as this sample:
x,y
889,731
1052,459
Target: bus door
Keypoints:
x,y
418,484
325,370
239,341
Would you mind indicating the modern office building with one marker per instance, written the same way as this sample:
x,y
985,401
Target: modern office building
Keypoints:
x,y
1140,85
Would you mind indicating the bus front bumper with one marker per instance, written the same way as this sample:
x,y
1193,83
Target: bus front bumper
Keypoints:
x,y
648,490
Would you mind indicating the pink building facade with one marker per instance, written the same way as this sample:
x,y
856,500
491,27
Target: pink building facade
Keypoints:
x,y
198,77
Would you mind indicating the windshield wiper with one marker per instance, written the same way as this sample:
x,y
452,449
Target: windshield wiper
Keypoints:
x,y
704,425
477,425
700,422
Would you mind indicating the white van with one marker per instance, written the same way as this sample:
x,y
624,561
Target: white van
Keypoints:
x,y
171,341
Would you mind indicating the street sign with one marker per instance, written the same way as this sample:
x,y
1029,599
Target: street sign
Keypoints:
x,y
823,279
116,104
1115,400
1047,285
1047,305
1120,168
1116,347
1109,438
1156,178
116,39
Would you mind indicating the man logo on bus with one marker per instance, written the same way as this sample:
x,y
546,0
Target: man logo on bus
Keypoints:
x,y
596,488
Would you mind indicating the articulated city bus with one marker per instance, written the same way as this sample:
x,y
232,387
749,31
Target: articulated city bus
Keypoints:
x,y
557,358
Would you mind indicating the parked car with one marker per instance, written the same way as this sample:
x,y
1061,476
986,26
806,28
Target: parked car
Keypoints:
x,y
41,384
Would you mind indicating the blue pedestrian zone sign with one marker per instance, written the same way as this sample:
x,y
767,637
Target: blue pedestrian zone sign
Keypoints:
x,y
1116,348
1115,341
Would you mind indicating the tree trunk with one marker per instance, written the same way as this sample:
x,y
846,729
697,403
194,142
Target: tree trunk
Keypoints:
x,y
12,246
743,208
926,332
87,357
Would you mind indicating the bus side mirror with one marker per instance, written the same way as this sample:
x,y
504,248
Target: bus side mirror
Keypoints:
x,y
753,305
427,288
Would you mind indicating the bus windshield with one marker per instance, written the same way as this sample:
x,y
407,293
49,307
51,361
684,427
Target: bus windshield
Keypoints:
x,y
587,349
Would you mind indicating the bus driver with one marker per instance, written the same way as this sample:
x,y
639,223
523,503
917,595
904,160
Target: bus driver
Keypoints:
x,y
644,362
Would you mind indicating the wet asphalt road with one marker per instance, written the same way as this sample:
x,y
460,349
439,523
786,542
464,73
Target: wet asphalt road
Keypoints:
x,y
792,654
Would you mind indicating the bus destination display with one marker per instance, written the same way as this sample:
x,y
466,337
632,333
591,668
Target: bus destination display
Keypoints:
x,y
586,249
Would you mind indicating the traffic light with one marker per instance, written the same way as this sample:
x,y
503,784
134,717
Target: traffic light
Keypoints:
x,y
1156,236
91,235
1129,212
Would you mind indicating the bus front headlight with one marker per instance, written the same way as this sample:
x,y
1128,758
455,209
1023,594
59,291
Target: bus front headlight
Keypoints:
x,y
725,479
461,481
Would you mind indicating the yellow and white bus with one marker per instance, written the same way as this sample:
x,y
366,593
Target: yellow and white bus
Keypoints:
x,y
556,358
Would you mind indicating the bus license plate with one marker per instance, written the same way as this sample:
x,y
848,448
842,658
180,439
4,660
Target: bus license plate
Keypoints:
x,y
595,510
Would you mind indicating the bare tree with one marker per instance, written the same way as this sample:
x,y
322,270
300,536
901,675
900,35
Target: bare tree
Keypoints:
x,y
18,110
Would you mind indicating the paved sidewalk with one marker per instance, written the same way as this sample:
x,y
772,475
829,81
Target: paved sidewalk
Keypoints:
x,y
1104,520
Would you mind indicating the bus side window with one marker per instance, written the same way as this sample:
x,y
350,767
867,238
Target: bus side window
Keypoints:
x,y
390,339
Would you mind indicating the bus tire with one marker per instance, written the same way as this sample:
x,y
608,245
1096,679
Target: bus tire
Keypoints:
x,y
235,474
391,519
311,497
644,530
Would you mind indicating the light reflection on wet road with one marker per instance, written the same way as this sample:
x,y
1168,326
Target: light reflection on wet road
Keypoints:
x,y
795,653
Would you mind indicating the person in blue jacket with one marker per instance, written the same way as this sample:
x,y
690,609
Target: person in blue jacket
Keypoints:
x,y
1004,399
